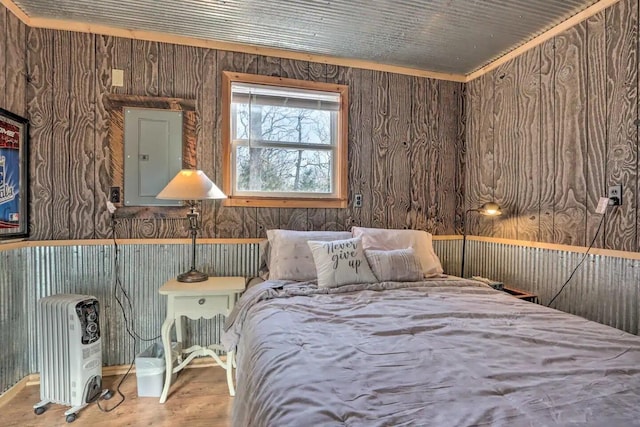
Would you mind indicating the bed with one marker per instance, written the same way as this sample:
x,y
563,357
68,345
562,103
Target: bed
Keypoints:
x,y
440,351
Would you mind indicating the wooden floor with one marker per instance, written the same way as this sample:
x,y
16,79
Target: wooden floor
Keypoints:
x,y
199,397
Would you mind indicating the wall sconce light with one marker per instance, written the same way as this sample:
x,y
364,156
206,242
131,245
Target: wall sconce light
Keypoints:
x,y
191,186
488,209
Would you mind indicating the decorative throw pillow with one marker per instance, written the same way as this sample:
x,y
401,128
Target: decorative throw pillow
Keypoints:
x,y
386,240
341,262
398,265
289,257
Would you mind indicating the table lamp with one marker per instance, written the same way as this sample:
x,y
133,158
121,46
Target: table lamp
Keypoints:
x,y
191,186
488,209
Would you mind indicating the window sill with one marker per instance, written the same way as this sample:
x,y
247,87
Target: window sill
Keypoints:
x,y
268,202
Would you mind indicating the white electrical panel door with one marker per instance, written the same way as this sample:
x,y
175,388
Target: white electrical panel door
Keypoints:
x,y
152,154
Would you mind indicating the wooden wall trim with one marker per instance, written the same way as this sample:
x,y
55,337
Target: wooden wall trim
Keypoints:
x,y
561,27
240,241
275,202
447,237
558,247
114,101
97,242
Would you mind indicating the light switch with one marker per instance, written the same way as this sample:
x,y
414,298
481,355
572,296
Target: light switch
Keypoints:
x,y
117,77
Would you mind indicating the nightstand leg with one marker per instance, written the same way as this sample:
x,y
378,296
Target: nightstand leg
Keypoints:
x,y
166,343
230,363
180,329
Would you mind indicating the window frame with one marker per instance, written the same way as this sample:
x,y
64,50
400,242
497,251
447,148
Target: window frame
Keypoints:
x,y
336,200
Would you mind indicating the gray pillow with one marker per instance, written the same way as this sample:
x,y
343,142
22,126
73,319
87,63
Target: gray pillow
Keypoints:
x,y
290,257
386,239
398,265
265,254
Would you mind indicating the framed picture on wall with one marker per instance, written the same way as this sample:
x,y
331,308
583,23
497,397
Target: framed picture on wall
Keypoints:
x,y
14,176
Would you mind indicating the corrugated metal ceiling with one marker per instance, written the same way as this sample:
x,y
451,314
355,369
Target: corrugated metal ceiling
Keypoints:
x,y
449,36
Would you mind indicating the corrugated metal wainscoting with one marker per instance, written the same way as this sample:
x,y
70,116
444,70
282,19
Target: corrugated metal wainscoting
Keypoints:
x,y
14,341
30,273
605,289
450,254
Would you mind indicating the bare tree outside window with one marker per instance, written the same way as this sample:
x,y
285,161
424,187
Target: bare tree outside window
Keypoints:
x,y
264,161
284,142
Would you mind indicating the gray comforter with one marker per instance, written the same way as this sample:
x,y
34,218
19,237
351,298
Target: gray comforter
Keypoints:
x,y
437,353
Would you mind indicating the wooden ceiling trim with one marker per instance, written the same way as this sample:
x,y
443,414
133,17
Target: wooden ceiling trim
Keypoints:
x,y
56,24
563,26
83,27
9,4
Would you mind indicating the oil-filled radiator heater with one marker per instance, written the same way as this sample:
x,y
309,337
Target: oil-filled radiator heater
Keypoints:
x,y
69,352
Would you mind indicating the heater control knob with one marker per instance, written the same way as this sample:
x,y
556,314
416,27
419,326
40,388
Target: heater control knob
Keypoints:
x,y
88,312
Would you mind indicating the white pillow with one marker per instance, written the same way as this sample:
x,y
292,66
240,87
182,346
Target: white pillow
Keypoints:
x,y
398,265
289,255
341,262
386,240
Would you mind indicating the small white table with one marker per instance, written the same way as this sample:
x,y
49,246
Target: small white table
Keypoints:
x,y
216,295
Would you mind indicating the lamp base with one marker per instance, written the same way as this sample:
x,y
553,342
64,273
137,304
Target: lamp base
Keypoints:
x,y
192,276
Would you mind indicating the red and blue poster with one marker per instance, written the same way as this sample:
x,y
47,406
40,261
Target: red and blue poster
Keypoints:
x,y
13,182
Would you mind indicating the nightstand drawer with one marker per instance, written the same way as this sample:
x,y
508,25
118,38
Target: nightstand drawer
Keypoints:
x,y
206,306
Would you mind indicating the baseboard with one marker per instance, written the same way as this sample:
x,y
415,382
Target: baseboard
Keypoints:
x,y
15,389
107,371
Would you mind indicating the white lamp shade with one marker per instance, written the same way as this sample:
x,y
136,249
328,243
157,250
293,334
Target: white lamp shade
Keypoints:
x,y
191,185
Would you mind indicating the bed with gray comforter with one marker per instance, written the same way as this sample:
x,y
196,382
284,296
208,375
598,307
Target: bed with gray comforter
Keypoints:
x,y
445,352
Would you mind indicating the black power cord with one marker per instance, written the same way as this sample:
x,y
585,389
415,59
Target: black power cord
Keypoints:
x,y
128,321
581,261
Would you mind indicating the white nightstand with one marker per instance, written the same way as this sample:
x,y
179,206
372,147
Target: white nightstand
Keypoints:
x,y
216,295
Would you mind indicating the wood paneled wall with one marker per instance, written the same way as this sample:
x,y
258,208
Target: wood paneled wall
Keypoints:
x,y
406,137
546,133
13,63
551,129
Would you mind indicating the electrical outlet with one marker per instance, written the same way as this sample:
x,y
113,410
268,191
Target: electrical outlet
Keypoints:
x,y
114,195
615,195
357,201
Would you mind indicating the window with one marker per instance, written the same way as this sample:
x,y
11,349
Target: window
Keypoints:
x,y
285,142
